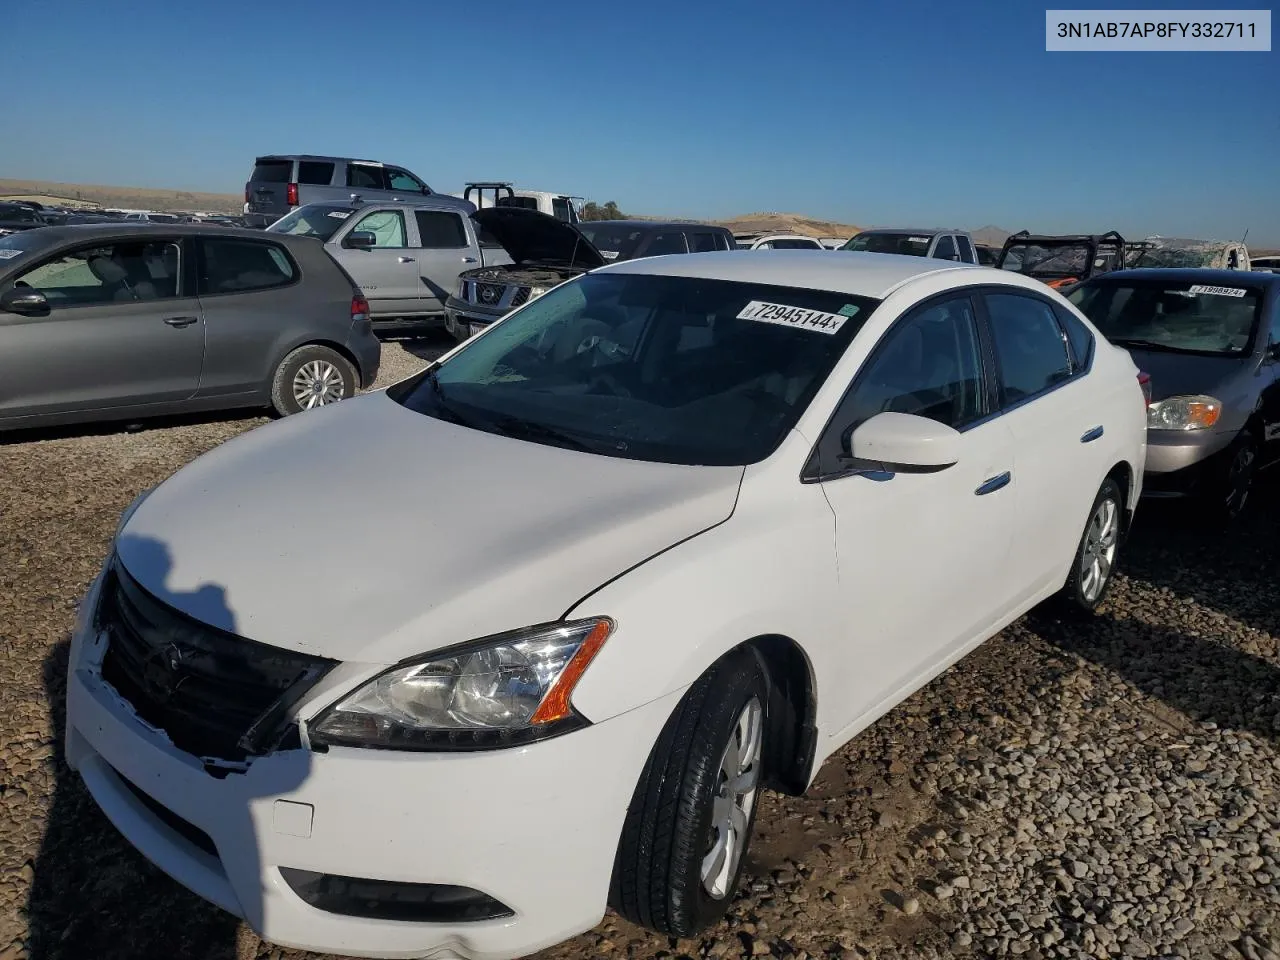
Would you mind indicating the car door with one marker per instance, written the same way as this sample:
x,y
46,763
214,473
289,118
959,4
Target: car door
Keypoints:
x,y
1270,373
387,272
122,329
444,249
923,558
1056,412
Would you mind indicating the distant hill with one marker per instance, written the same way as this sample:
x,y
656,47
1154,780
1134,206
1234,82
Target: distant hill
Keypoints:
x,y
788,223
989,235
129,198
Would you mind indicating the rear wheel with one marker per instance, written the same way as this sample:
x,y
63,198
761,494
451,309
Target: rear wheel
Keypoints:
x,y
309,377
1099,548
691,818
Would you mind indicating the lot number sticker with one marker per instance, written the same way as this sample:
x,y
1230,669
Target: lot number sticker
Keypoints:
x,y
786,316
1218,291
339,214
9,254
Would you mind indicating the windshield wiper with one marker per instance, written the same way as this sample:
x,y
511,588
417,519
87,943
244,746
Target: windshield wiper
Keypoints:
x,y
1169,347
513,426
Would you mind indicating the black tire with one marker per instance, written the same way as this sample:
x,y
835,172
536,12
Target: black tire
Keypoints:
x,y
1080,591
669,829
1228,496
283,399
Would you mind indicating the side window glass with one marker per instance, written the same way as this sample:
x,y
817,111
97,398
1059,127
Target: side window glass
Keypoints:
x,y
928,364
1029,345
561,210
367,178
723,242
702,242
966,250
121,272
315,172
440,230
946,248
666,243
387,227
1078,336
403,180
1275,322
236,266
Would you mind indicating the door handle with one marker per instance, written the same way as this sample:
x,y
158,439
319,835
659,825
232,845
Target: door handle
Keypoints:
x,y
994,483
405,259
1092,434
468,259
180,321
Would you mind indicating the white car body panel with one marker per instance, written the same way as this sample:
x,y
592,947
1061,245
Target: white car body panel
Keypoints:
x,y
445,534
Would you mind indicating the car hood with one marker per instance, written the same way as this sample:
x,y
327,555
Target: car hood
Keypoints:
x,y
367,532
1182,374
530,235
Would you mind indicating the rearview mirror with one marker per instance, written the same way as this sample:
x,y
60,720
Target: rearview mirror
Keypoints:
x,y
24,301
360,240
903,442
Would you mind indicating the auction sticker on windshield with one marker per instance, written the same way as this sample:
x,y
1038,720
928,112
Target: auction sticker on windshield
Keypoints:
x,y
9,254
1218,291
787,316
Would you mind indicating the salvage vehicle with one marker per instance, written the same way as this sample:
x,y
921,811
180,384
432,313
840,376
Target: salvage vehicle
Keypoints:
x,y
405,257
281,183
1211,343
1175,253
1062,260
955,245
833,243
16,217
547,252
704,519
119,321
1269,263
501,193
775,241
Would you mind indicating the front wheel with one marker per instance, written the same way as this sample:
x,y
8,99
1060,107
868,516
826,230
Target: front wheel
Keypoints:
x,y
691,818
311,376
1231,493
1095,559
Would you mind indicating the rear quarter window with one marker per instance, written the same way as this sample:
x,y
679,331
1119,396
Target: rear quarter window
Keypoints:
x,y
1078,336
315,173
272,171
239,266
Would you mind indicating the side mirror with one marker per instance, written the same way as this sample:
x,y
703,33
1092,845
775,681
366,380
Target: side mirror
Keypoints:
x,y
905,443
360,240
24,301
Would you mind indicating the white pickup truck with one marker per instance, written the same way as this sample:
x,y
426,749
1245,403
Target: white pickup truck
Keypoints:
x,y
497,193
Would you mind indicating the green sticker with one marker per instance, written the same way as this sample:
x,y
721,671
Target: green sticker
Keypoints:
x,y
848,310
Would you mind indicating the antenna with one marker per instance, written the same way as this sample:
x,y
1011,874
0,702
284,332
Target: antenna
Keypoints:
x,y
1246,235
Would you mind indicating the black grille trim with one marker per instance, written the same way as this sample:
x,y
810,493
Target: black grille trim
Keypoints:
x,y
183,828
521,296
214,694
390,900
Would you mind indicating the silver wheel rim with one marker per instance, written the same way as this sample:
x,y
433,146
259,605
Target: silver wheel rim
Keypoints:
x,y
1099,554
1239,477
317,383
736,786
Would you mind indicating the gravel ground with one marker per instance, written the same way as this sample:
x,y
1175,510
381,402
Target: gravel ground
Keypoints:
x,y
1084,788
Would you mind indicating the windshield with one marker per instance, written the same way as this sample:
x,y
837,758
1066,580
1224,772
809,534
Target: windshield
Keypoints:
x,y
1178,317
911,245
14,245
1148,254
320,220
669,369
613,241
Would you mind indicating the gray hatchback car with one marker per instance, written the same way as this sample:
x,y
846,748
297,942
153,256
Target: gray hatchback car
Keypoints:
x,y
123,321
1210,342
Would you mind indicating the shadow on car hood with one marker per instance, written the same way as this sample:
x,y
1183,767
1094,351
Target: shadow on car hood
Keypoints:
x,y
1180,374
532,236
367,532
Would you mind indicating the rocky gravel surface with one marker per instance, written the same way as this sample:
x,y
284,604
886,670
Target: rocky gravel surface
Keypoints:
x,y
1102,787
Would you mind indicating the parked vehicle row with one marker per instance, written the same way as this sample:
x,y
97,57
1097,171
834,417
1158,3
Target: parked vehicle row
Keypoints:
x,y
954,245
708,517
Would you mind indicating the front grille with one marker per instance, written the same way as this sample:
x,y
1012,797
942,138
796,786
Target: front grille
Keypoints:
x,y
214,694
521,296
490,294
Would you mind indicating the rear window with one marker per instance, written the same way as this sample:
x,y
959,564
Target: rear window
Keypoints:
x,y
613,241
315,173
362,175
795,243
272,171
908,244
524,203
321,220
561,210
440,230
702,242
238,266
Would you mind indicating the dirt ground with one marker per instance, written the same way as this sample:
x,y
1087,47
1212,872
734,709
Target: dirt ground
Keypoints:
x,y
1096,788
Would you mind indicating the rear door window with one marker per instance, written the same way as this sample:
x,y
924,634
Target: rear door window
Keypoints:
x,y
966,250
366,177
387,227
561,210
662,243
439,230
272,171
946,248
702,242
238,266
1029,346
315,172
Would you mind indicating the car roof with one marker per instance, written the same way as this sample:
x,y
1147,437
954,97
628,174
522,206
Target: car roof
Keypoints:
x,y
312,156
1213,278
121,230
652,224
778,236
930,231
858,274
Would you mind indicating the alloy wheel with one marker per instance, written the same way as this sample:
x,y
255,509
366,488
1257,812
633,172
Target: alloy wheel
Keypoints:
x,y
737,784
317,383
1102,536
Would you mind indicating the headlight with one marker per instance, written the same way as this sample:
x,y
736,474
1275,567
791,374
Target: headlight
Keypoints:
x,y
507,690
537,292
131,509
1184,413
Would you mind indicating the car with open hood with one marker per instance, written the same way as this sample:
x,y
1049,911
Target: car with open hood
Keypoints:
x,y
1210,340
448,669
546,251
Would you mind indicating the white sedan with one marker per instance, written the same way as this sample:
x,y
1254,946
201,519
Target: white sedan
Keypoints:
x,y
448,669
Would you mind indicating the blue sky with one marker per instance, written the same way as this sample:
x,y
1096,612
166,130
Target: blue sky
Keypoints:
x,y
873,113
